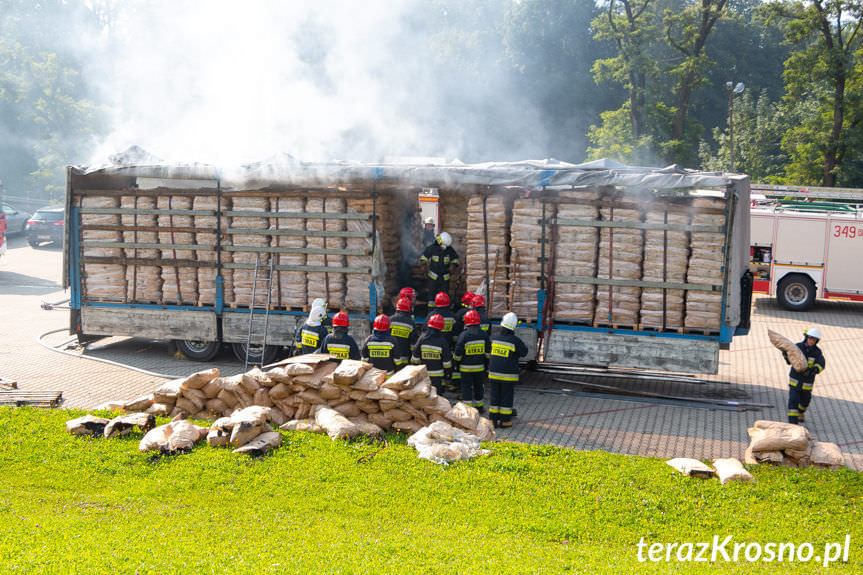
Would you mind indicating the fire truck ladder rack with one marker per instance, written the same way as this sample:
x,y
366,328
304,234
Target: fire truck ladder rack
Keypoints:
x,y
847,195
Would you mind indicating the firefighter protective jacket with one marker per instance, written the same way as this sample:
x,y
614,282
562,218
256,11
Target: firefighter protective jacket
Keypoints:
x,y
432,349
403,330
506,348
459,320
816,365
310,337
340,344
483,320
439,260
379,350
472,350
448,321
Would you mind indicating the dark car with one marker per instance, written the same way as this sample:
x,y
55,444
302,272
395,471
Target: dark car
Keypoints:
x,y
16,220
46,225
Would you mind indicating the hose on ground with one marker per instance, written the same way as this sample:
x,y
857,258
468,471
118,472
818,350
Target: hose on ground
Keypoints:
x,y
99,359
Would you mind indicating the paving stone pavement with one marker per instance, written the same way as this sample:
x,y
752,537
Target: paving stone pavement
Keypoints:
x,y
752,371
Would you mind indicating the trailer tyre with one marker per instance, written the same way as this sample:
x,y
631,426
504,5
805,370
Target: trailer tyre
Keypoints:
x,y
796,292
198,350
255,356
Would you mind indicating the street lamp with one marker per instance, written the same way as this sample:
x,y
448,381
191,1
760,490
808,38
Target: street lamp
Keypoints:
x,y
732,91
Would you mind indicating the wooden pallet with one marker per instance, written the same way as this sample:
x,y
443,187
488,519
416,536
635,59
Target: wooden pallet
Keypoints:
x,y
20,398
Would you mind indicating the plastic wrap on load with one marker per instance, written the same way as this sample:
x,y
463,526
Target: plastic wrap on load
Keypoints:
x,y
357,285
143,282
243,279
703,308
575,257
179,281
209,224
292,283
620,258
666,256
335,281
526,250
495,251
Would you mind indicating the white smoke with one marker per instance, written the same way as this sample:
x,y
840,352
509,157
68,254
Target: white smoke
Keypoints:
x,y
223,82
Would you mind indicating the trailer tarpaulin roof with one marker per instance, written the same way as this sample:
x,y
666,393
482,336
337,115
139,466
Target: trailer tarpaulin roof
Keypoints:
x,y
283,170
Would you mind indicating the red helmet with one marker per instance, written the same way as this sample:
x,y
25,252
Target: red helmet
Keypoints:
x,y
436,321
478,301
471,317
341,320
382,323
441,299
408,292
467,298
404,304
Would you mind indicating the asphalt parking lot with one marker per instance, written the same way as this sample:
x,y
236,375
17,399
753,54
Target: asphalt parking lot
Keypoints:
x,y
550,411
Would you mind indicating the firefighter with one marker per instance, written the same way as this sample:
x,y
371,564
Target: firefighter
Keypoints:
x,y
403,330
506,349
471,358
440,257
479,306
379,348
442,308
340,344
409,293
325,320
801,382
464,306
433,350
312,333
428,230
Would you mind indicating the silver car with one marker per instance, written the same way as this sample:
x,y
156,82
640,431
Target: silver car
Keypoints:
x,y
16,220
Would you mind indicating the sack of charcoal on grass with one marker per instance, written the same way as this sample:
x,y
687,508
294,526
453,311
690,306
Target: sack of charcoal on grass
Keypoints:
x,y
790,445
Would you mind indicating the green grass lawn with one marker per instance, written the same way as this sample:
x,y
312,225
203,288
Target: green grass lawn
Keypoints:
x,y
90,505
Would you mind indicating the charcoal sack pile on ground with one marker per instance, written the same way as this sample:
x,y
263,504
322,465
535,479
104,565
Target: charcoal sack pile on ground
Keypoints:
x,y
790,445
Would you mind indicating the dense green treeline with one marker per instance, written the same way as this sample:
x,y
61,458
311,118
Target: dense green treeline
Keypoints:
x,y
640,81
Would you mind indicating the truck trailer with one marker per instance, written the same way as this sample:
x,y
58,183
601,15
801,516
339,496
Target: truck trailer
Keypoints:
x,y
606,265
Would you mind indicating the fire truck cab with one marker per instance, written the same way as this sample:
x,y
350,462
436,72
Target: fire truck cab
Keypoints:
x,y
807,244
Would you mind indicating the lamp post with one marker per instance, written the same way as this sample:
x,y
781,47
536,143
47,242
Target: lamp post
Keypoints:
x,y
732,91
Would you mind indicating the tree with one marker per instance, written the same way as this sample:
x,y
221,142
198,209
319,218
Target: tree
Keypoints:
x,y
687,31
758,128
819,76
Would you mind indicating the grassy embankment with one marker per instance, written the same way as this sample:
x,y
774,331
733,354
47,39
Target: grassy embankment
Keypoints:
x,y
82,505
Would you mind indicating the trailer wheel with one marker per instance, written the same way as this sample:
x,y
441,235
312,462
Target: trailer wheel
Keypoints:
x,y
198,350
796,292
256,357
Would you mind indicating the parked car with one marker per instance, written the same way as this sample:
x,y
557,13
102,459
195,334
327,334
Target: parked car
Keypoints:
x,y
16,220
46,225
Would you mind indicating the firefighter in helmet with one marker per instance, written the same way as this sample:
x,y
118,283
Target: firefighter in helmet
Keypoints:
x,y
442,308
432,349
479,306
403,330
471,355
379,348
440,257
340,344
312,333
428,230
506,349
409,293
801,382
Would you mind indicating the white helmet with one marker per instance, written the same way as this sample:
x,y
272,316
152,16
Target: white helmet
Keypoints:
x,y
320,302
509,321
316,316
445,239
813,332
429,221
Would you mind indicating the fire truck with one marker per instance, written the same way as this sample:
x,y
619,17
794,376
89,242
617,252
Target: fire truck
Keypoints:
x,y
806,243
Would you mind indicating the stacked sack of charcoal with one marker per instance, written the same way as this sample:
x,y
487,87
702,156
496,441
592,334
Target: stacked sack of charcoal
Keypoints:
x,y
306,388
778,443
